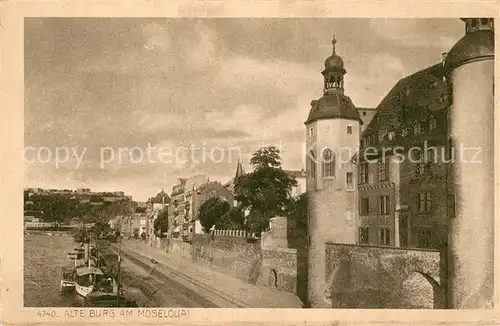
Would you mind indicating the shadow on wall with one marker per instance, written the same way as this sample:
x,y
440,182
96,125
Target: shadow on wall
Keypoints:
x,y
236,256
379,277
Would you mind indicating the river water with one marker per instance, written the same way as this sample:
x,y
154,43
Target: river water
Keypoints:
x,y
44,256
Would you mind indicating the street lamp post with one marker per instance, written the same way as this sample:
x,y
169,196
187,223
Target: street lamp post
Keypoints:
x,y
118,273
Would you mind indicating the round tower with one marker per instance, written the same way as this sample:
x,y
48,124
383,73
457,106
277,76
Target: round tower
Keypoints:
x,y
470,71
332,139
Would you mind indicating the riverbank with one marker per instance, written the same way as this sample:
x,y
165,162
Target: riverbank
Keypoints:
x,y
142,284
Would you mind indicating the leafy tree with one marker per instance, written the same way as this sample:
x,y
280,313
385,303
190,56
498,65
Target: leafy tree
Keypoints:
x,y
161,222
265,157
297,212
231,220
211,211
54,208
266,192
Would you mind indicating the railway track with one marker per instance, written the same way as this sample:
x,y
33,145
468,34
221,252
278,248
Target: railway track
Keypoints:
x,y
164,272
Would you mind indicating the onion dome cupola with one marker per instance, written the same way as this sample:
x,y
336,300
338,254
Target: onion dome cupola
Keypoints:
x,y
333,104
477,44
334,71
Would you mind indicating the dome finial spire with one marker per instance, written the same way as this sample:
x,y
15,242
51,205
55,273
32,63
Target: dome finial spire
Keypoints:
x,y
334,41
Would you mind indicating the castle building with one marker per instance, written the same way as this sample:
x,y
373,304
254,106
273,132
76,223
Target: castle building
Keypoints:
x,y
407,175
333,130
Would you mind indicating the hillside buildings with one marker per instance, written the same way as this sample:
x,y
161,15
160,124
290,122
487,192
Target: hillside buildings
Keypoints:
x,y
400,179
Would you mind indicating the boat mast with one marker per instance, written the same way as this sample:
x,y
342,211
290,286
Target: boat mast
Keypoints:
x,y
88,249
118,273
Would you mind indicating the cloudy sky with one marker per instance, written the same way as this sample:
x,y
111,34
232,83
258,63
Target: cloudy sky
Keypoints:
x,y
218,88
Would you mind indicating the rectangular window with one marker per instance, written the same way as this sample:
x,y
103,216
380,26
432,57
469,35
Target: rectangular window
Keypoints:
x,y
348,180
364,235
428,201
311,132
391,135
364,208
432,123
363,173
349,130
421,202
384,236
382,171
417,129
424,237
384,205
424,201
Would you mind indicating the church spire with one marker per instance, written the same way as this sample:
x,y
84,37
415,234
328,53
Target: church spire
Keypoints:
x,y
239,170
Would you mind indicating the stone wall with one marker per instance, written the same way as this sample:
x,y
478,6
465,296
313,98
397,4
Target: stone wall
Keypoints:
x,y
178,247
276,237
279,269
247,260
231,255
382,277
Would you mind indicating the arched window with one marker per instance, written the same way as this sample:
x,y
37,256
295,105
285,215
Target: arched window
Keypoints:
x,y
328,163
311,164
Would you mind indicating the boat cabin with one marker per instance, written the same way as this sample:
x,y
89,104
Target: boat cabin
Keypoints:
x,y
88,276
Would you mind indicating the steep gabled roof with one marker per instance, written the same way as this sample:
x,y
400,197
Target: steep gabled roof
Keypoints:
x,y
408,99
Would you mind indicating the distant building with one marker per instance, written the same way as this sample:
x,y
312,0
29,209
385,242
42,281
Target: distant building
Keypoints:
x,y
192,184
83,190
177,211
212,189
154,206
300,177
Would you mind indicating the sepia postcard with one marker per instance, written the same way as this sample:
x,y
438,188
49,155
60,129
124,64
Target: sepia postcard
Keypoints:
x,y
315,163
